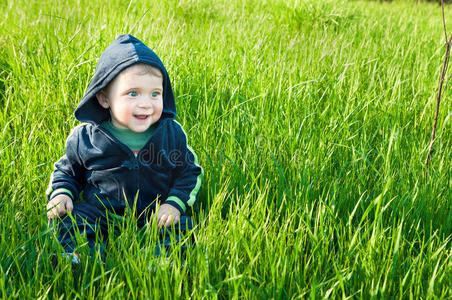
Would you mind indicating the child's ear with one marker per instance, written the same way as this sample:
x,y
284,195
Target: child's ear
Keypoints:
x,y
102,99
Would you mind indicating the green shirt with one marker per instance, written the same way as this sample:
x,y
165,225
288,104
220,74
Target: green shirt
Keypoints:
x,y
134,140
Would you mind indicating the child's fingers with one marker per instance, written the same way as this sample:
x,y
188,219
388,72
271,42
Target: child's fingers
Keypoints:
x,y
171,220
51,209
50,214
168,221
54,212
69,206
61,209
162,220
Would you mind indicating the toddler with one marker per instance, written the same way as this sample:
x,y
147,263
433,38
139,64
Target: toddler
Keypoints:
x,y
128,152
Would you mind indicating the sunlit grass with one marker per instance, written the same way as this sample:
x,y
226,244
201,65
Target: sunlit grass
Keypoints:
x,y
311,120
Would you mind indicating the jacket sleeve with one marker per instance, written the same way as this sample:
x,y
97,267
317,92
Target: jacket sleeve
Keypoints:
x,y
68,176
187,175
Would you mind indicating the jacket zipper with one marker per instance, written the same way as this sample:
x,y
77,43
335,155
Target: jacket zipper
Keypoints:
x,y
129,152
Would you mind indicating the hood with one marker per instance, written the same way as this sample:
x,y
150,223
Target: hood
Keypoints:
x,y
123,52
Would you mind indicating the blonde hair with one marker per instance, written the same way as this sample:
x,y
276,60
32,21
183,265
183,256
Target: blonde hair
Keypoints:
x,y
149,69
145,69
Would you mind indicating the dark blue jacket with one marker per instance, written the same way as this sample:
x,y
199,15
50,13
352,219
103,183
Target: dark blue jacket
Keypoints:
x,y
165,170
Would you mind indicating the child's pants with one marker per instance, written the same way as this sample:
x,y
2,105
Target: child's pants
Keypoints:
x,y
89,219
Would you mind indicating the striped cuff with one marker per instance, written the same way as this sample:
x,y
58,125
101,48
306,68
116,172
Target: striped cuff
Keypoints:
x,y
177,203
61,191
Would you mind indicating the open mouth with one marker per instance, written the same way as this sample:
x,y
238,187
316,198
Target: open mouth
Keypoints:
x,y
141,117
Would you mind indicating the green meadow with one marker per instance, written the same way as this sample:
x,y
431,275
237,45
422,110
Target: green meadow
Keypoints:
x,y
311,119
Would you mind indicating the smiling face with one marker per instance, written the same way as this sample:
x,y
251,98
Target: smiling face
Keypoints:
x,y
134,98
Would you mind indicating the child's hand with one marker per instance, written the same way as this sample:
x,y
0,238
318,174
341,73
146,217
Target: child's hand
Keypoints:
x,y
167,214
59,205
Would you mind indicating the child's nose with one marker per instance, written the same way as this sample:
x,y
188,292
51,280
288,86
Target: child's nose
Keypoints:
x,y
145,102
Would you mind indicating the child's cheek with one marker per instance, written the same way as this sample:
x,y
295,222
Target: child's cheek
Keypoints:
x,y
125,112
159,108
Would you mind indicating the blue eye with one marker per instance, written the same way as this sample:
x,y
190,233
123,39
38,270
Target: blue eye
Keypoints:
x,y
132,94
155,94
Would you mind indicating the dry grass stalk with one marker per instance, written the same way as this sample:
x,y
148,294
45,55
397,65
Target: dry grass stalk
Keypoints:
x,y
440,88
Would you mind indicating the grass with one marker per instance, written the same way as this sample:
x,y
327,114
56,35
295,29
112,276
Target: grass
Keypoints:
x,y
311,119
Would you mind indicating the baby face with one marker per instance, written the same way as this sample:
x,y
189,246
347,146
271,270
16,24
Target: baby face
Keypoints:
x,y
134,98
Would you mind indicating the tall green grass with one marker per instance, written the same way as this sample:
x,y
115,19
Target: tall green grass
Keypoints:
x,y
311,120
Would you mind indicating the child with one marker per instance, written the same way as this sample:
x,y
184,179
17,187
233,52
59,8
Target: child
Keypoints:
x,y
130,152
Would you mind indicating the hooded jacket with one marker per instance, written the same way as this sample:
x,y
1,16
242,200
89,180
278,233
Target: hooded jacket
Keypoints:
x,y
165,170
